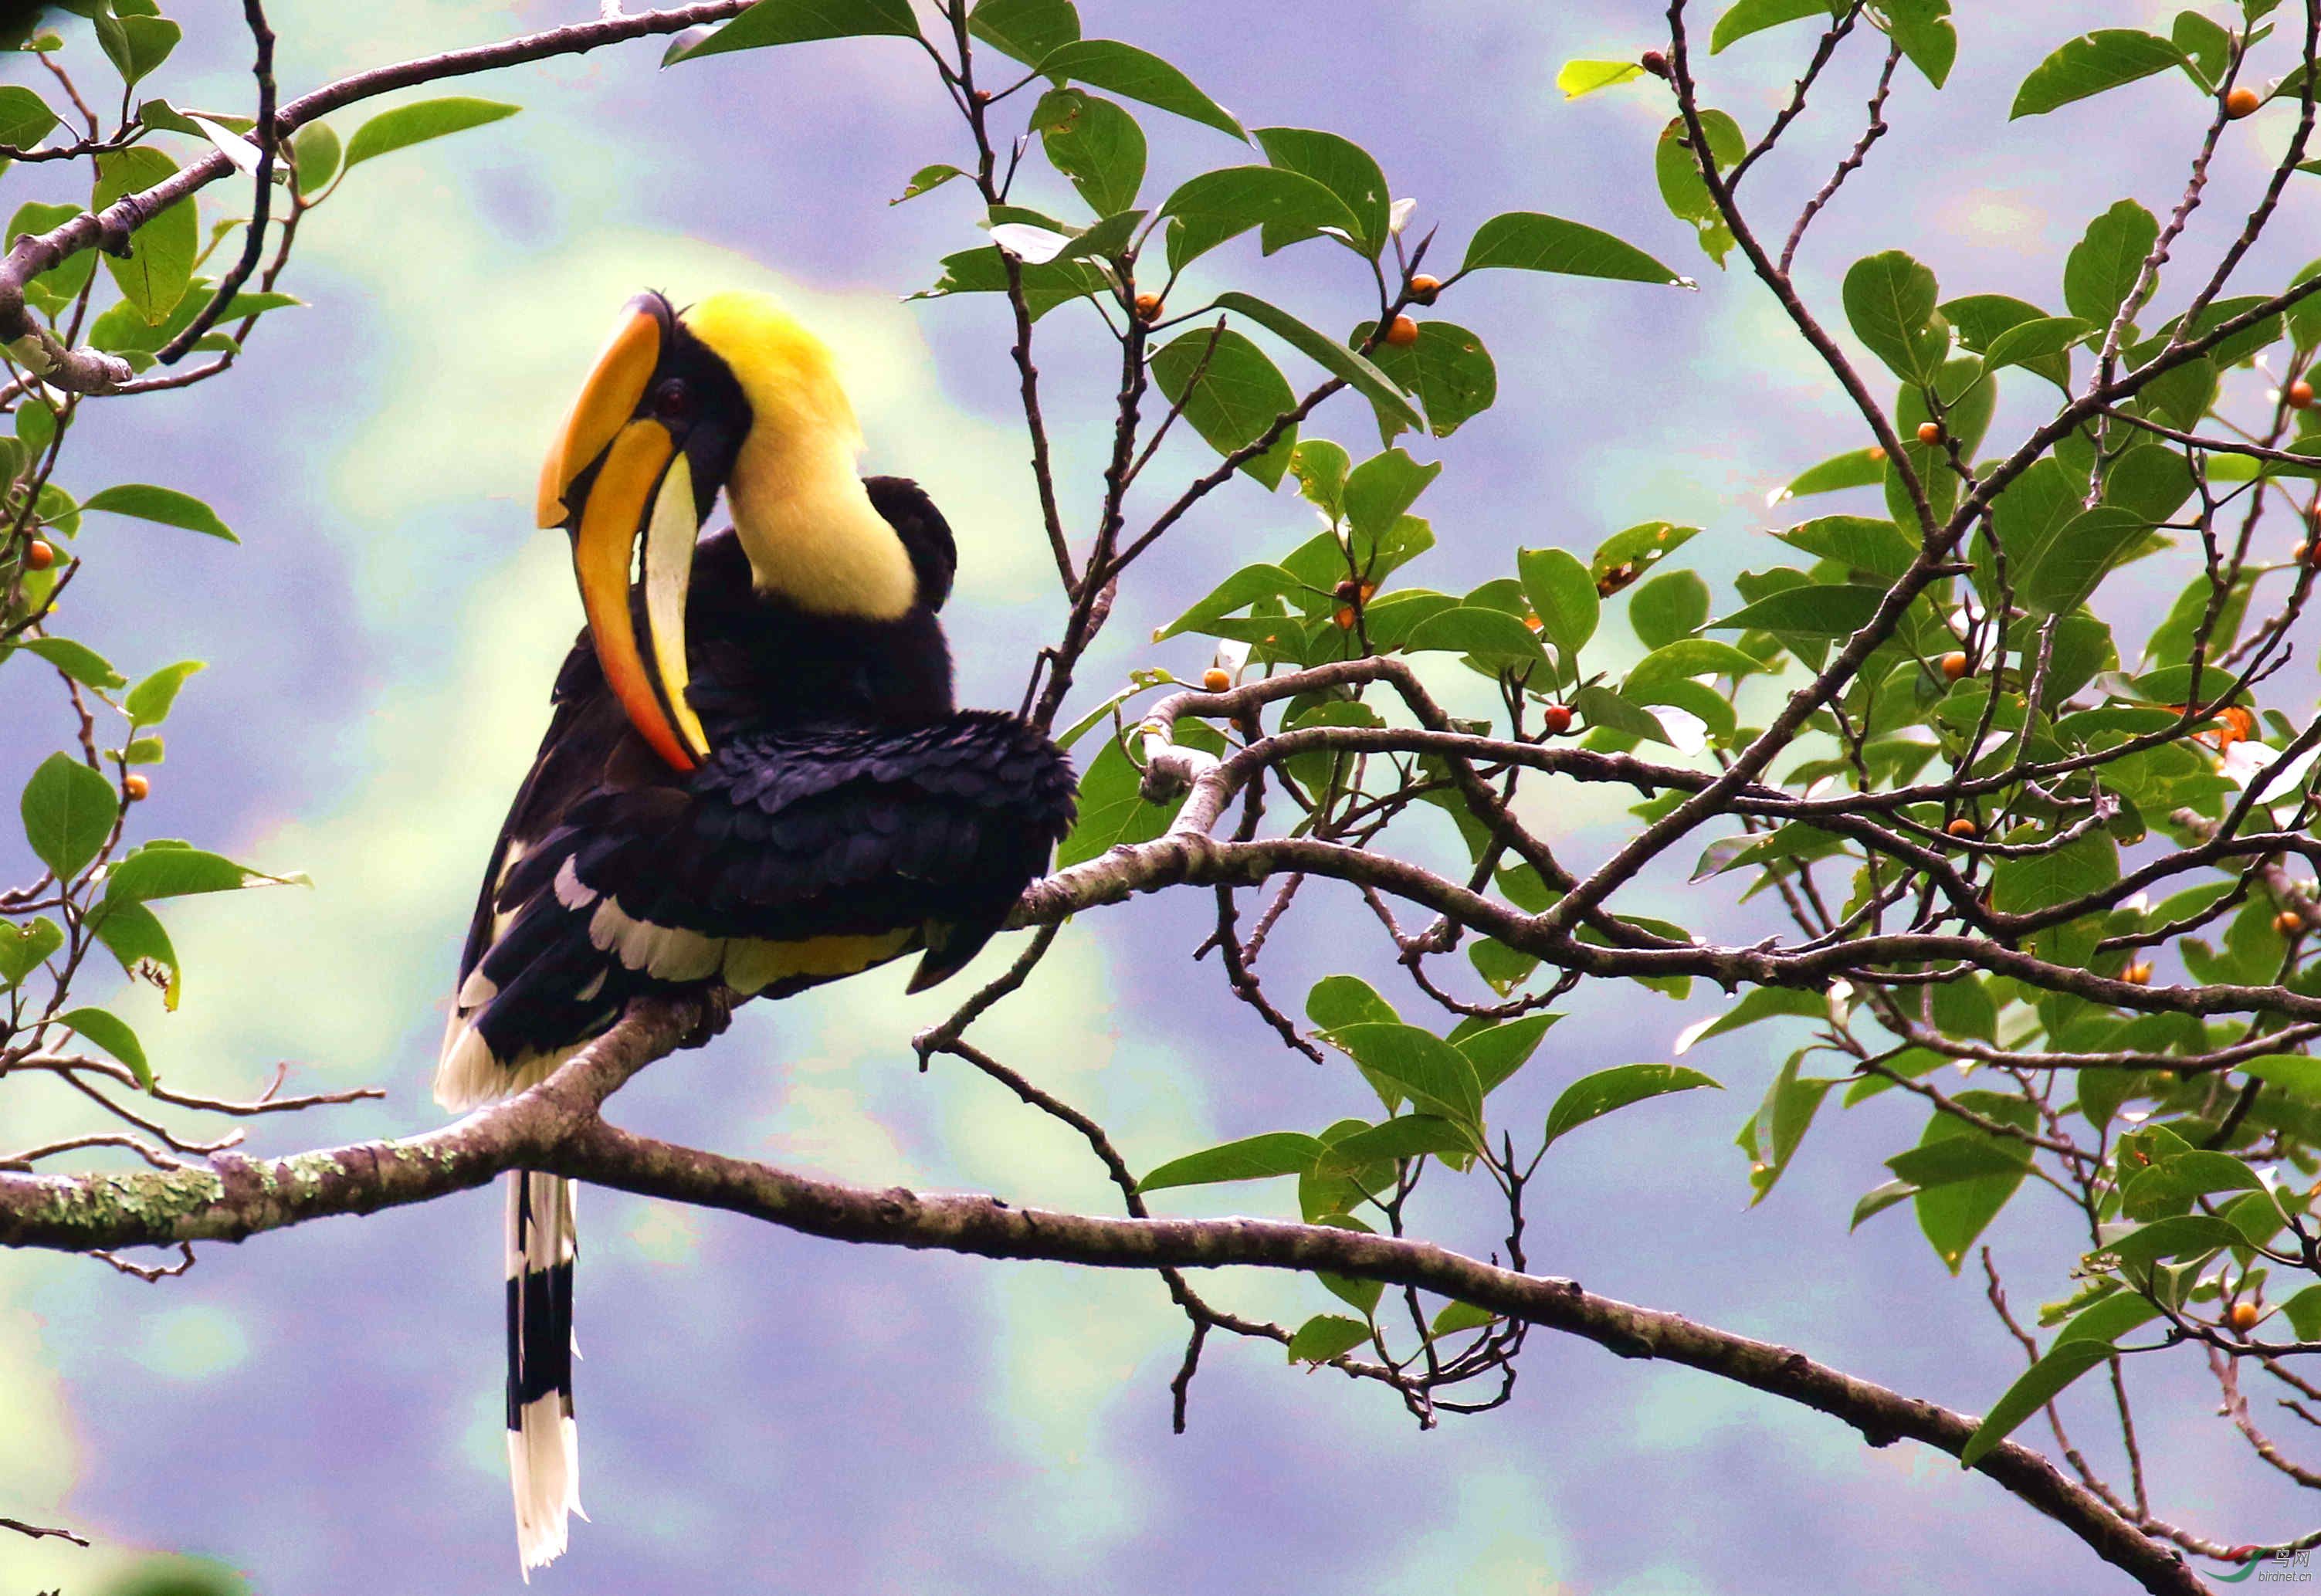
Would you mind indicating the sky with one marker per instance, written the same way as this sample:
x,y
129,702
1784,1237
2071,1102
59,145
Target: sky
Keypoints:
x,y
320,1408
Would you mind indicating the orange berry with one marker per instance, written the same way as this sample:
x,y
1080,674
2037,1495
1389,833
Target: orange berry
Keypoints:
x,y
135,786
1955,666
1556,718
1148,308
1533,623
38,555
1344,617
1402,332
2244,1315
2300,394
1369,590
1878,451
2289,922
2241,101
2138,974
1963,827
1930,432
1216,680
2240,724
1422,288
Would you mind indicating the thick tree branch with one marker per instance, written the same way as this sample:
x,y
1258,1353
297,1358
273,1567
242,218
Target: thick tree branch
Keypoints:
x,y
556,1127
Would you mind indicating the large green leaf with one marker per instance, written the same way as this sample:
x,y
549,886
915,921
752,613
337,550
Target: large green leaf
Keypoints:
x,y
1686,195
1220,204
161,261
421,121
69,810
1889,302
1327,1335
2102,268
1326,352
153,873
2076,559
1823,610
1745,17
1340,165
25,118
1383,487
23,947
112,1033
1526,240
1136,74
134,935
1028,29
1096,144
1927,37
1961,1193
2085,1342
1231,393
1410,1135
149,701
1447,369
164,505
1417,1064
1252,1158
1591,1097
83,663
2092,63
796,21
1563,595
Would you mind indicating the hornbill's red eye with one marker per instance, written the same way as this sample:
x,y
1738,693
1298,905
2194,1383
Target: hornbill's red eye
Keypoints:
x,y
673,400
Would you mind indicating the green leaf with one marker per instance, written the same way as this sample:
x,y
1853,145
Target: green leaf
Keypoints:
x,y
1856,468
1526,240
1498,1050
2304,1313
84,664
149,701
1327,1335
2085,1342
416,123
1111,809
1419,1064
1830,610
1979,319
153,873
1563,595
1890,301
316,150
1591,1097
1879,1198
1412,1135
2295,1073
164,505
111,1034
23,947
1136,74
1320,468
930,177
798,22
1028,29
138,44
161,261
1774,1133
2102,268
1096,144
1458,1316
2092,63
1326,352
1576,78
1252,1158
1964,1191
1491,635
2027,343
1757,1003
2076,559
1600,707
1221,205
1339,1001
1672,606
2206,43
1231,393
1447,369
2181,1236
134,935
1864,542
1952,1159
1245,586
1681,188
25,118
1745,17
69,811
1340,165
1045,286
1924,29
1383,487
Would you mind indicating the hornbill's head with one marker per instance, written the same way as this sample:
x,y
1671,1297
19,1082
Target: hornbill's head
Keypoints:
x,y
730,394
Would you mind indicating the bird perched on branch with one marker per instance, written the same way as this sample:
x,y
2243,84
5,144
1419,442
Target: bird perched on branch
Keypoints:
x,y
754,777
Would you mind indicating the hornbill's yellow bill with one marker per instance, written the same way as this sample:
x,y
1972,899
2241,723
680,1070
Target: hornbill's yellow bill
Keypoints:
x,y
616,473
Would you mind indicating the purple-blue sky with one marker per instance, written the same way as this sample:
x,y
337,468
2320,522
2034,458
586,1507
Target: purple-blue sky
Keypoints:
x,y
320,1408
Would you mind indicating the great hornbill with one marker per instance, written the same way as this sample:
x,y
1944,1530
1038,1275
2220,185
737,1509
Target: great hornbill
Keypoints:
x,y
774,792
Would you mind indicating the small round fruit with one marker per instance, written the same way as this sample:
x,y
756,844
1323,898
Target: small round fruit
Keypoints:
x,y
1216,680
2300,394
1402,332
1556,718
2244,1315
1344,617
38,555
2289,923
1877,453
1148,308
135,786
2242,102
1930,432
1532,623
1347,590
1963,827
1424,289
1955,666
2138,974
1654,62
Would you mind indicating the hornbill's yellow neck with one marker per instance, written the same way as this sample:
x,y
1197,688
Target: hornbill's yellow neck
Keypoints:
x,y
730,394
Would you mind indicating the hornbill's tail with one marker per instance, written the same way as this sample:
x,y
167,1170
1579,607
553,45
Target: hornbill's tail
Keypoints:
x,y
543,1446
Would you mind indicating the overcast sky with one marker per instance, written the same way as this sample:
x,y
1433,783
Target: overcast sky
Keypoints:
x,y
759,1410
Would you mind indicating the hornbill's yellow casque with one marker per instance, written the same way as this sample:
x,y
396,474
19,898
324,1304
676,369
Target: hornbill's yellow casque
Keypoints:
x,y
754,775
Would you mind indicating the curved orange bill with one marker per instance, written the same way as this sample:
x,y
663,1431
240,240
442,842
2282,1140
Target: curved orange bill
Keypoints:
x,y
624,501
